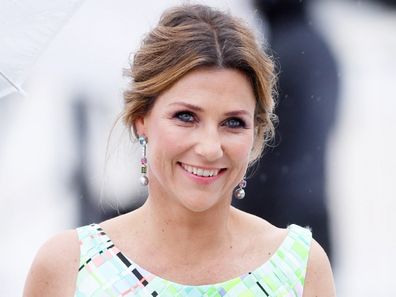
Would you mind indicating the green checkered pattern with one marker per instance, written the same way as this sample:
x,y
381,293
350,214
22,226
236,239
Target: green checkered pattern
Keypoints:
x,y
105,271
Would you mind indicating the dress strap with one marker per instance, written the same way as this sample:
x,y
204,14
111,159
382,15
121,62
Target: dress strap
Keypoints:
x,y
292,256
299,242
93,241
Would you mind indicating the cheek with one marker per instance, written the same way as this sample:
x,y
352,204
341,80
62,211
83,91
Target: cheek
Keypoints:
x,y
241,148
166,143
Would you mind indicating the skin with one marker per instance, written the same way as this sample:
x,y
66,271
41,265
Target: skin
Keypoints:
x,y
204,120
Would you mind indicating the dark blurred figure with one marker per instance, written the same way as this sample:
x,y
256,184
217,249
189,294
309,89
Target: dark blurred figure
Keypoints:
x,y
308,88
389,3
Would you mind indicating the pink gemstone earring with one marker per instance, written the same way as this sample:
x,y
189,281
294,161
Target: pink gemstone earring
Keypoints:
x,y
239,193
143,161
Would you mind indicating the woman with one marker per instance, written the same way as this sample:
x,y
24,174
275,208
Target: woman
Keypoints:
x,y
201,104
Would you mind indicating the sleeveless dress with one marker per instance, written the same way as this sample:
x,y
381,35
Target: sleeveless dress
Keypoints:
x,y
106,272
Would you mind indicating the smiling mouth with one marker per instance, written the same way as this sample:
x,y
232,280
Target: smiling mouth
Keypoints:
x,y
203,172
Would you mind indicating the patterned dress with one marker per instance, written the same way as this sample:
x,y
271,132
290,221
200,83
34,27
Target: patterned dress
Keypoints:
x,y
106,272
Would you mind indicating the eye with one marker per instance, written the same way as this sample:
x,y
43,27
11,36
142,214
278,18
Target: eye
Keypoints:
x,y
235,123
185,116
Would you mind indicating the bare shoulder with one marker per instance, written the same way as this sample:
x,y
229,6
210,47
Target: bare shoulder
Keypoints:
x,y
319,278
54,269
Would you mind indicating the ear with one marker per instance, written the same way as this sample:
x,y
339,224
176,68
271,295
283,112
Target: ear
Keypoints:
x,y
139,126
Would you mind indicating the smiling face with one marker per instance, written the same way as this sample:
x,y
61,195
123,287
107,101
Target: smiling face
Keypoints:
x,y
200,134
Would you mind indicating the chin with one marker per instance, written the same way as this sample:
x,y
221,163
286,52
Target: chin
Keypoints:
x,y
197,208
200,204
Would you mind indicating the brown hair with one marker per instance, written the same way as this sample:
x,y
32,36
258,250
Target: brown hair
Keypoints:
x,y
192,36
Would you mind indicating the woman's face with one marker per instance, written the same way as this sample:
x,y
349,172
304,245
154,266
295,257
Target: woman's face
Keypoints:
x,y
200,133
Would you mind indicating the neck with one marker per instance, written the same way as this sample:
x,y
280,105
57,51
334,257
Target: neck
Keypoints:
x,y
182,231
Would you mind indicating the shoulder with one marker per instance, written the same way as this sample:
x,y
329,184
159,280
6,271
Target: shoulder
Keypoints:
x,y
54,269
319,278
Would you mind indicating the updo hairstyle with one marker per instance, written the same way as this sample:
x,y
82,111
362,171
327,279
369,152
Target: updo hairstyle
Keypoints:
x,y
188,37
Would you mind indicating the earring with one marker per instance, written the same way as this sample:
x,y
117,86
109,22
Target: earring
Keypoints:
x,y
143,161
239,193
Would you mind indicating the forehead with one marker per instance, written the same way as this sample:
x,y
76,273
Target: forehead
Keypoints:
x,y
211,88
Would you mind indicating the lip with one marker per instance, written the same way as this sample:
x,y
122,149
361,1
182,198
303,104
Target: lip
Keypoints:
x,y
202,179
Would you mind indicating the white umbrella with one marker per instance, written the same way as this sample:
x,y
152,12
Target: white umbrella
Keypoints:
x,y
26,28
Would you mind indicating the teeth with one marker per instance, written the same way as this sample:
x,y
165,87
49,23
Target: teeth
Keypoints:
x,y
200,171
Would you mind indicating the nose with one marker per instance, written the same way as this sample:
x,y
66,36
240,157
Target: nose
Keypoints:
x,y
209,145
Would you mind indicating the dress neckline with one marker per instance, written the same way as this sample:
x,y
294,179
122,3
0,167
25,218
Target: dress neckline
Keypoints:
x,y
203,286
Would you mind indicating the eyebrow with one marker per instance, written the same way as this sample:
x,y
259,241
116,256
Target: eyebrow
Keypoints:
x,y
188,105
238,113
197,108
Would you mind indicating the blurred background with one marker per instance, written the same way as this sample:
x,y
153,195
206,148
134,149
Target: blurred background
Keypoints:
x,y
66,161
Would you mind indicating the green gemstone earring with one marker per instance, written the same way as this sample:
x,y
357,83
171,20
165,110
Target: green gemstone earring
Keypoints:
x,y
143,161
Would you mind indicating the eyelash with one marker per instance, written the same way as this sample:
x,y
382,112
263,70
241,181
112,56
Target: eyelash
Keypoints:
x,y
178,115
241,124
192,118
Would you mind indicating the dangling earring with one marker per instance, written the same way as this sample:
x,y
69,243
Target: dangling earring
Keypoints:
x,y
239,193
143,161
